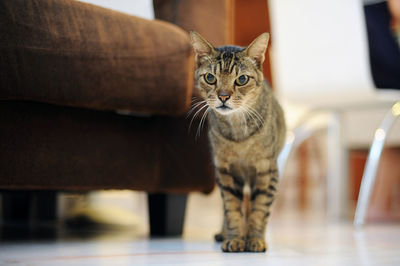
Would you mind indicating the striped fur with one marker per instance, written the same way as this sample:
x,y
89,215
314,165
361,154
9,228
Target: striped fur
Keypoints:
x,y
247,132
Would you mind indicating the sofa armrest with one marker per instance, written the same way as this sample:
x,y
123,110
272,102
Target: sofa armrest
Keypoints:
x,y
75,54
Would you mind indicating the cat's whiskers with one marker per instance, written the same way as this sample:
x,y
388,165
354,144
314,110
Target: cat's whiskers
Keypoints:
x,y
254,118
196,114
243,110
202,121
194,106
255,113
244,113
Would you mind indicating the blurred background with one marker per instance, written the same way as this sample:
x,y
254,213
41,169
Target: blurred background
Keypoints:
x,y
320,65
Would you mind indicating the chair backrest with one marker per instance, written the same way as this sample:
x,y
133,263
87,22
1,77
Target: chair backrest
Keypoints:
x,y
320,52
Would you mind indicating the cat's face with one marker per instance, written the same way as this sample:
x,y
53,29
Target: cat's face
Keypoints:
x,y
229,78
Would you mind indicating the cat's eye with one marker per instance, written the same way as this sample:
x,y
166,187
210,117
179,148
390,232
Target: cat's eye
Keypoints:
x,y
242,80
210,78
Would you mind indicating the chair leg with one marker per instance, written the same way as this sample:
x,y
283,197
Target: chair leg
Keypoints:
x,y
167,213
371,166
336,180
336,185
295,138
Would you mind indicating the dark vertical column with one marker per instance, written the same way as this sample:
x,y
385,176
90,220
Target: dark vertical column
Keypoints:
x,y
167,213
27,207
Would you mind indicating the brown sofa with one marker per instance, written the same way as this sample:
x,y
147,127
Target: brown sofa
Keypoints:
x,y
68,71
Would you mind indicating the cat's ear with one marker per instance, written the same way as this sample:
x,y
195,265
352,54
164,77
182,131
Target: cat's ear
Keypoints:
x,y
201,46
257,48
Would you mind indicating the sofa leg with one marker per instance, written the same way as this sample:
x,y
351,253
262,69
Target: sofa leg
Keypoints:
x,y
29,207
167,213
46,206
16,207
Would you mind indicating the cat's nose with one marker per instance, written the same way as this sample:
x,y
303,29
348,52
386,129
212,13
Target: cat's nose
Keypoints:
x,y
224,96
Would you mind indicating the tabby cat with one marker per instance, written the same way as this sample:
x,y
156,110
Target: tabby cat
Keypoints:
x,y
247,132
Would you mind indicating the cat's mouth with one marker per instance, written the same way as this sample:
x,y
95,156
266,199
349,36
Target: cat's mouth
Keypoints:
x,y
224,109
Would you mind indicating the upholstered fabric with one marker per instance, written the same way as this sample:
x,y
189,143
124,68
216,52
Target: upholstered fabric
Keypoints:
x,y
45,146
70,53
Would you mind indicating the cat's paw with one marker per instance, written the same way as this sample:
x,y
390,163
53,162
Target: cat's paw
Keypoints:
x,y
219,237
256,245
233,245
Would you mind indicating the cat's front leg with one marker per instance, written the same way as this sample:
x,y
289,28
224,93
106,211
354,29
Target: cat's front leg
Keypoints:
x,y
232,195
263,190
221,236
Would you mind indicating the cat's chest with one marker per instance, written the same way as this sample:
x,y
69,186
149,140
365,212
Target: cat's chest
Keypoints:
x,y
244,152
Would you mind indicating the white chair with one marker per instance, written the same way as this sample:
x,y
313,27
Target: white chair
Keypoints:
x,y
320,62
371,166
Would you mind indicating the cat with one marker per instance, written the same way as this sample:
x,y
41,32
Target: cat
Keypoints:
x,y
247,132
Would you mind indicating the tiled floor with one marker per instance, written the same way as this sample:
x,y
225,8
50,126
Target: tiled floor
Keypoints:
x,y
302,244
292,241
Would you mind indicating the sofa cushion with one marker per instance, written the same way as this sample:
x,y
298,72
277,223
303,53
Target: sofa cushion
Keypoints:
x,y
75,54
